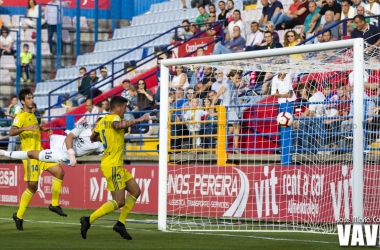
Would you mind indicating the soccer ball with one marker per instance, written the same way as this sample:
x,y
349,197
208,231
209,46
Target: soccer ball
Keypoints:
x,y
284,119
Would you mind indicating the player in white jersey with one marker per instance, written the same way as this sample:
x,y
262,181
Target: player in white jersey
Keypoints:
x,y
62,148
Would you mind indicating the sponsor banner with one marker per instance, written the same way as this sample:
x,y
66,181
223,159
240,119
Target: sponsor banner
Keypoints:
x,y
192,45
10,184
292,193
83,187
146,177
84,4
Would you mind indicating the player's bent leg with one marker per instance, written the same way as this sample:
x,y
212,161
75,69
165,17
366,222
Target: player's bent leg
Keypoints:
x,y
58,174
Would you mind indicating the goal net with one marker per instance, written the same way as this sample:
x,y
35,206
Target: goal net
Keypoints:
x,y
226,164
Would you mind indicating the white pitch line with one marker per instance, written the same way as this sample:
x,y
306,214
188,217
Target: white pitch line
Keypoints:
x,y
187,232
259,237
77,224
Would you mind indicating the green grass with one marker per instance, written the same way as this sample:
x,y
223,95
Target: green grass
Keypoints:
x,y
46,230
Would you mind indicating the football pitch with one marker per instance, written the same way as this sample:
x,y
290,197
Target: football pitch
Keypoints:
x,y
46,230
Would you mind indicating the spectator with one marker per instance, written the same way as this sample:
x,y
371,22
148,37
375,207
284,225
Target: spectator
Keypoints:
x,y
369,32
327,36
194,29
329,16
372,9
145,99
194,116
208,128
51,17
281,16
299,17
6,42
203,15
211,8
282,88
361,11
102,79
32,11
236,22
83,82
1,22
223,12
229,97
219,81
99,105
231,9
36,113
13,108
126,86
190,94
269,43
330,6
91,109
275,7
184,5
26,58
264,13
212,96
269,26
371,85
333,124
133,101
179,80
216,30
291,39
179,129
184,34
358,3
197,3
236,44
314,10
198,74
158,78
94,91
204,87
300,109
255,37
311,126
347,12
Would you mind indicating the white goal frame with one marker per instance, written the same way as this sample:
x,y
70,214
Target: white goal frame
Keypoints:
x,y
358,137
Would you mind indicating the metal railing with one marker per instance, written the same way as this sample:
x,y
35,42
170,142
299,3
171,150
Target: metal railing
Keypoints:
x,y
131,67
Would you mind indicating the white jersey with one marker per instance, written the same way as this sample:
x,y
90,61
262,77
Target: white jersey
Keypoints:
x,y
82,145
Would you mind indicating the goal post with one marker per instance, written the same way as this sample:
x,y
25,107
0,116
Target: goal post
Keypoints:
x,y
358,118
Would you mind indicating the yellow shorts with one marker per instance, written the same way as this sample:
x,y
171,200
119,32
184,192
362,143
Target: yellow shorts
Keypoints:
x,y
116,177
33,168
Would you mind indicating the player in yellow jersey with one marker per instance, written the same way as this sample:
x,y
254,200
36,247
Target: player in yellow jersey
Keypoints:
x,y
110,131
26,126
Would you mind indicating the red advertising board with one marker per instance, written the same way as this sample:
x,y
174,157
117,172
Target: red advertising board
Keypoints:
x,y
192,45
83,187
292,193
84,4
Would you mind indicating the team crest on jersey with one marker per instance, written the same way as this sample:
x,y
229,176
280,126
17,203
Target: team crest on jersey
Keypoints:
x,y
116,118
16,120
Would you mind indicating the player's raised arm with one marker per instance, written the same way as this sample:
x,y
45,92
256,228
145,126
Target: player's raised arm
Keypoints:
x,y
126,124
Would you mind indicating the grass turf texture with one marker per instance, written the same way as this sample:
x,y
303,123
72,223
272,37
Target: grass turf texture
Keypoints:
x,y
46,230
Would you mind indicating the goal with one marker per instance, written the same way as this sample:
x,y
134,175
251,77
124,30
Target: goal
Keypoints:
x,y
230,167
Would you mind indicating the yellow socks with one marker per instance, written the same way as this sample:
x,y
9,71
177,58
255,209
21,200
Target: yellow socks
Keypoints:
x,y
106,208
25,199
129,203
56,187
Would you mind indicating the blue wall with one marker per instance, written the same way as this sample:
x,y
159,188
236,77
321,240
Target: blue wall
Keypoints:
x,y
119,9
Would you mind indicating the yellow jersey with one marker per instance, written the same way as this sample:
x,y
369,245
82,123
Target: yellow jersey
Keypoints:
x,y
113,141
29,140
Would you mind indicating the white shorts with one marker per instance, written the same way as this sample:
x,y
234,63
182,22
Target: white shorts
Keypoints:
x,y
232,116
56,153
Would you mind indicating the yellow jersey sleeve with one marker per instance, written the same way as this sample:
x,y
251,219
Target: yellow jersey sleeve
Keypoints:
x,y
18,122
